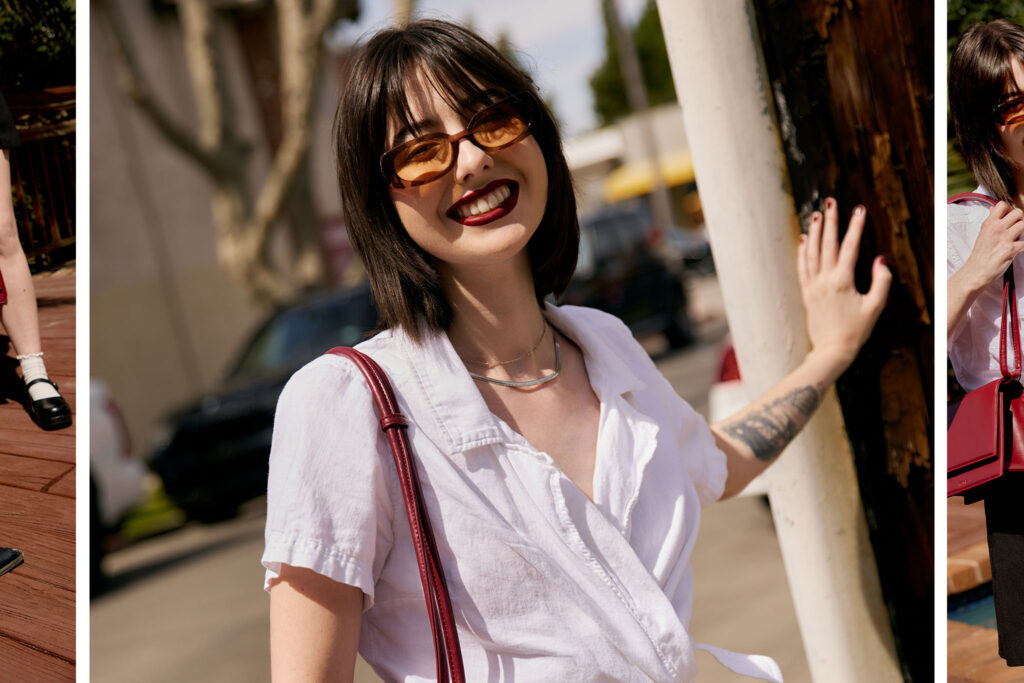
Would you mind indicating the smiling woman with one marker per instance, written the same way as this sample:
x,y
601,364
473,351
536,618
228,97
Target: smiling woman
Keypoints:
x,y
562,475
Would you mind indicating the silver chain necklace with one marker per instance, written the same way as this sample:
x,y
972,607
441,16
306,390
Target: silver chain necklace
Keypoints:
x,y
529,382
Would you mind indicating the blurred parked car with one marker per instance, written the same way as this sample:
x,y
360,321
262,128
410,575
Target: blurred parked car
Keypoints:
x,y
212,455
116,476
691,247
620,271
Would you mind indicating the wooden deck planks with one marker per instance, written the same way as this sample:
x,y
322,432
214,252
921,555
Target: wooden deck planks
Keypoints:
x,y
30,473
37,503
38,615
42,526
967,564
22,663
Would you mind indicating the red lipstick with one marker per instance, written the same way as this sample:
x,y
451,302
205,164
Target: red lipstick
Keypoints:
x,y
503,208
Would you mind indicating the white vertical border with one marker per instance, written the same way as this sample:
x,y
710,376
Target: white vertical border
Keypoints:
x,y
82,341
939,320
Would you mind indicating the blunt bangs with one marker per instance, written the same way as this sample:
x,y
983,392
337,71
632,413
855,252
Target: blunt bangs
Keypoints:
x,y
466,72
980,75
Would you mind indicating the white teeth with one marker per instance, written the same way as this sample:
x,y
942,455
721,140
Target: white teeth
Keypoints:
x,y
489,202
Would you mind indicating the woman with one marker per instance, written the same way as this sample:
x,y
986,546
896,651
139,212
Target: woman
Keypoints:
x,y
19,315
986,95
563,475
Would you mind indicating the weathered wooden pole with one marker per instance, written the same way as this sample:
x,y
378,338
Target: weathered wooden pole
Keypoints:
x,y
855,83
743,181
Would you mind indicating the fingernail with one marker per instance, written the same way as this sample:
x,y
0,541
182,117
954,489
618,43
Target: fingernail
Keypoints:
x,y
803,238
859,210
815,217
881,259
829,203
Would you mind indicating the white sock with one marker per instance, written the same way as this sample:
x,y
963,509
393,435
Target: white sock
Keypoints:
x,y
32,367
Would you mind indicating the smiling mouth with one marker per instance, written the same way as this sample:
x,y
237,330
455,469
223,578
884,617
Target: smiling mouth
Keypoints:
x,y
488,204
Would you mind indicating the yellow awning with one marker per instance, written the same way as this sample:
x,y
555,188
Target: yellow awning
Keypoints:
x,y
637,178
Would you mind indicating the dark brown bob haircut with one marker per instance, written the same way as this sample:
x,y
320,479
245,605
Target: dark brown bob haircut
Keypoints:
x,y
466,71
980,77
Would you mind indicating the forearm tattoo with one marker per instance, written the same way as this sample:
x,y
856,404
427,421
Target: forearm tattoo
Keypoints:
x,y
769,429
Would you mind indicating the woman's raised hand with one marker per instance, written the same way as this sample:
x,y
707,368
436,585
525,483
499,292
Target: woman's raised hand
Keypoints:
x,y
839,318
997,244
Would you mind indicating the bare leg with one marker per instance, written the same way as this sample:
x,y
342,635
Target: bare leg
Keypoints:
x,y
19,316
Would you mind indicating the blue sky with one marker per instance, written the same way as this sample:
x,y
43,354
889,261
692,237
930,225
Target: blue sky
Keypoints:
x,y
563,41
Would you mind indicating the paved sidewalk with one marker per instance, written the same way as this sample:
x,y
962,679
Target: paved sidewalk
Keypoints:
x,y
37,503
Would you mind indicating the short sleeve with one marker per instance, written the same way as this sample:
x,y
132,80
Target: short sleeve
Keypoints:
x,y
329,491
958,244
961,232
705,461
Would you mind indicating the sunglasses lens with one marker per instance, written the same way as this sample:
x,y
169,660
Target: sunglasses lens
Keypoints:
x,y
1012,111
422,158
498,126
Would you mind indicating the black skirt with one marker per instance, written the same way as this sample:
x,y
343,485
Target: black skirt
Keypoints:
x,y
8,133
1004,517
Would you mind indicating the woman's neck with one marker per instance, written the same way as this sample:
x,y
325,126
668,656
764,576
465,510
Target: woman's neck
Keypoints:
x,y
496,315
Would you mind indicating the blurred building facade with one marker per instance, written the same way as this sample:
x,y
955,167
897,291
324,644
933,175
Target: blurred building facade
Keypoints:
x,y
609,164
165,319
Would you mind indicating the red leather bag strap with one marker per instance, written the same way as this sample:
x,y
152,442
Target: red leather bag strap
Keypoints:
x,y
972,196
1009,299
1009,304
448,653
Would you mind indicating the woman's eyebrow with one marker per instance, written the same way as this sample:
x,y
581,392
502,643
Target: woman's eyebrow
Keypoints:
x,y
409,130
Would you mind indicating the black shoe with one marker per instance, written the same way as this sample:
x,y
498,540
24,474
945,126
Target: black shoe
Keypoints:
x,y
49,413
9,559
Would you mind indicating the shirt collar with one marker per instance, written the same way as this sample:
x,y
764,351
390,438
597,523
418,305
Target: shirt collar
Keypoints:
x,y
448,406
602,338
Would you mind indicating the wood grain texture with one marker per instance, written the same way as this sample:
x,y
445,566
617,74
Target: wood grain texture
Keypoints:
x,y
30,473
23,663
37,614
973,655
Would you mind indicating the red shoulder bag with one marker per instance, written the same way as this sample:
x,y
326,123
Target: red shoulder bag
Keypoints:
x,y
447,652
985,436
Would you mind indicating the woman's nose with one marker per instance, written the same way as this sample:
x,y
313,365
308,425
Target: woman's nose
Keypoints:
x,y
472,160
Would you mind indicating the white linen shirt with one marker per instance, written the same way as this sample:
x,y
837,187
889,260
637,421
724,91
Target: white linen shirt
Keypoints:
x,y
973,345
545,584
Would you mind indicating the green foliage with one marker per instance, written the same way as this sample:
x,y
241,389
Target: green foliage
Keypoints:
x,y
610,99
958,178
960,14
37,44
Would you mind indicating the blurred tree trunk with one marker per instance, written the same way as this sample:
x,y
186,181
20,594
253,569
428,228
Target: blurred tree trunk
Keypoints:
x,y
852,83
244,218
403,11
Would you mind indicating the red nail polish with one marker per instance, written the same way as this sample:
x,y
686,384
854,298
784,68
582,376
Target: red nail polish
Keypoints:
x,y
881,259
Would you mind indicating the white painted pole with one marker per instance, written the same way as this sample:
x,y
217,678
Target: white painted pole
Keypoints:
x,y
744,188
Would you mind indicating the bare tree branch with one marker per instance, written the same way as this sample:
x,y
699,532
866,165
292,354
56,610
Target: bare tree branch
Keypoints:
x,y
300,37
133,85
243,225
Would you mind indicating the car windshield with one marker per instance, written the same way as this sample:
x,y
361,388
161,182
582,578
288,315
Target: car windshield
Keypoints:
x,y
297,335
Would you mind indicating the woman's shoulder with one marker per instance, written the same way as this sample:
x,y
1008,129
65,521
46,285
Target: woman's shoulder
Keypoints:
x,y
332,377
969,210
